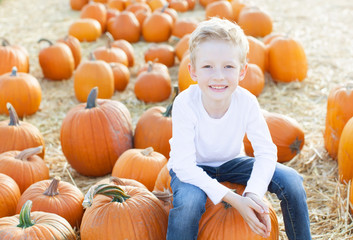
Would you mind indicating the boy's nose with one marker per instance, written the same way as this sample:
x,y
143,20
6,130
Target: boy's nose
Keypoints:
x,y
218,74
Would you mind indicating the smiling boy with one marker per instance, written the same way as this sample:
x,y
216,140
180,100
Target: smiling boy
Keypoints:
x,y
210,120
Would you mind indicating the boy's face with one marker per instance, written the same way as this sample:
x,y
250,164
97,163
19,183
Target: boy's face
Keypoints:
x,y
217,69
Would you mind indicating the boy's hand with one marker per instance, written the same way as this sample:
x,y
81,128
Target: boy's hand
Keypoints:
x,y
253,213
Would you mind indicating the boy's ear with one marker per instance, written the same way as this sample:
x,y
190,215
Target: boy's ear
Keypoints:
x,y
192,72
243,72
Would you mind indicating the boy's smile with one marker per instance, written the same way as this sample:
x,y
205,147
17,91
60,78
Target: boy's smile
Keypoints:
x,y
218,70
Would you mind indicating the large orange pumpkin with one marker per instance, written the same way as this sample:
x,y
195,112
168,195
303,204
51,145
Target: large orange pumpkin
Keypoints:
x,y
19,134
345,153
25,167
161,53
286,134
56,61
339,110
254,21
35,226
184,78
95,134
182,46
135,212
13,55
142,165
22,90
222,222
157,27
55,196
9,196
95,11
257,53
286,60
125,26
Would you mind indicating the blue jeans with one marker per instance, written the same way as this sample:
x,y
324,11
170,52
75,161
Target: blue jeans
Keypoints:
x,y
189,201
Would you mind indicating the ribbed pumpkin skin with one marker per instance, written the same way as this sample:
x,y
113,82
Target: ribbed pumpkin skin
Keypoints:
x,y
47,226
339,111
9,196
93,139
67,204
286,134
27,100
134,164
140,217
345,153
154,130
221,223
13,56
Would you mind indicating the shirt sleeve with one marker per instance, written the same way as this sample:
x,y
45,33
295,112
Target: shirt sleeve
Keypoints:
x,y
265,152
183,154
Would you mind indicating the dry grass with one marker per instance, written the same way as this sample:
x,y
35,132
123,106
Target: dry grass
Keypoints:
x,y
323,27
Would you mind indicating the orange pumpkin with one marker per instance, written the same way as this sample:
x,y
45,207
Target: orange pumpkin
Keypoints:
x,y
13,56
153,86
184,78
142,165
170,11
136,213
161,53
127,48
345,153
121,76
20,135
154,128
157,27
25,167
85,29
95,11
136,6
35,225
237,6
286,134
26,101
9,196
286,60
155,4
254,21
163,181
223,222
179,5
75,46
257,53
182,27
159,67
55,196
56,61
95,134
141,16
119,5
273,35
182,46
78,4
339,110
220,9
125,26
254,80
90,74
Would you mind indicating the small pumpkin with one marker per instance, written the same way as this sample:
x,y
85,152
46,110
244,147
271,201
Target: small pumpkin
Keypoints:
x,y
338,111
142,165
255,22
183,26
56,60
25,167
345,153
184,78
220,9
90,74
254,80
136,6
97,11
75,46
179,5
127,48
9,196
119,5
85,29
121,76
161,53
136,213
20,135
125,26
257,53
55,196
153,86
182,46
155,4
157,27
35,225
170,11
78,4
22,90
237,6
95,134
286,134
13,55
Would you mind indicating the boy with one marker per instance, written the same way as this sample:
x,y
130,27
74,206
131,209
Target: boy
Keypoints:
x,y
209,123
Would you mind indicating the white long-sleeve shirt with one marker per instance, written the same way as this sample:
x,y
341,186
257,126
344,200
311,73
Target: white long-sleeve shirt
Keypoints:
x,y
199,139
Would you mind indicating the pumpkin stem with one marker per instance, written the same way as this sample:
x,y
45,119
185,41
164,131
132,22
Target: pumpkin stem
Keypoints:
x,y
92,57
52,190
25,215
92,98
295,146
14,71
147,151
164,7
25,154
45,40
114,191
14,121
110,39
168,111
4,42
150,66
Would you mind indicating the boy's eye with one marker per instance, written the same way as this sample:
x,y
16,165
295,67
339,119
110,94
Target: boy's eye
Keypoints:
x,y
207,66
229,66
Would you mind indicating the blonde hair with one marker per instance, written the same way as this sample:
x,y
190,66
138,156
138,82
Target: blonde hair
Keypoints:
x,y
218,29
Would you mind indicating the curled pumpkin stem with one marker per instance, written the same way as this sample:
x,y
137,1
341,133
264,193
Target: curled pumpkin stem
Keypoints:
x,y
14,121
92,98
27,153
25,215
